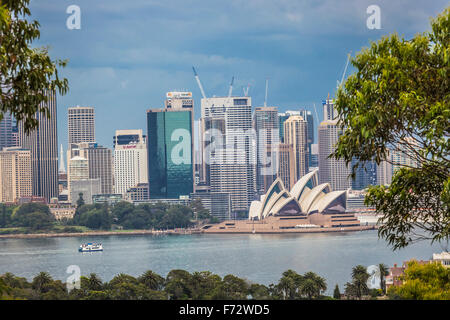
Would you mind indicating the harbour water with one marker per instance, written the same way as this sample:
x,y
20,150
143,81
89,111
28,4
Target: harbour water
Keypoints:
x,y
260,258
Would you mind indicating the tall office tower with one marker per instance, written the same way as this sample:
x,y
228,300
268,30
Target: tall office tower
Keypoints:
x,y
15,136
239,147
81,124
210,126
331,170
99,163
6,131
402,156
265,123
329,111
365,175
130,160
314,157
15,174
77,170
307,115
286,165
384,173
296,134
282,117
43,144
170,153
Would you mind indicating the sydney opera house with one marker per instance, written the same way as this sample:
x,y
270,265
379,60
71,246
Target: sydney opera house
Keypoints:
x,y
307,206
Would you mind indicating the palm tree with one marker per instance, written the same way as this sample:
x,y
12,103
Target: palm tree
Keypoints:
x,y
41,281
320,284
384,271
360,277
152,280
94,283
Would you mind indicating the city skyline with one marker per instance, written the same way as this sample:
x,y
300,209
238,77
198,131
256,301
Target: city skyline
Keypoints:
x,y
124,68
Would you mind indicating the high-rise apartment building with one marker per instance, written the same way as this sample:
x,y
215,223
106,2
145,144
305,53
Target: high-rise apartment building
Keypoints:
x,y
15,174
331,170
81,124
43,144
265,124
296,134
232,157
130,160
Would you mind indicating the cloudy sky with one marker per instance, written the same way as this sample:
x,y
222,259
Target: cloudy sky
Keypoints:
x,y
128,54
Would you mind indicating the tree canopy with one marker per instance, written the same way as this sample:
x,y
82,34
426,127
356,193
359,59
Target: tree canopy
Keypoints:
x,y
398,101
27,74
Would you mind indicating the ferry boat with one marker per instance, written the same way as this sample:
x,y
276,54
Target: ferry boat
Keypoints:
x,y
89,247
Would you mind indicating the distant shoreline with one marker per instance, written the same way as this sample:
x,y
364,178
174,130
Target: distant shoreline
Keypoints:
x,y
174,232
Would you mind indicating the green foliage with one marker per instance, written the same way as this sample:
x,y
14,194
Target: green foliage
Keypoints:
x,y
399,101
358,287
294,286
423,282
36,216
26,73
337,293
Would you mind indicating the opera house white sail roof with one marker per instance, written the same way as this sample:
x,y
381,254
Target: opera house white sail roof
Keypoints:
x,y
306,197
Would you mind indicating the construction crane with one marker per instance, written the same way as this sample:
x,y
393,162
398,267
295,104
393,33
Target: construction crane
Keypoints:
x,y
339,83
231,87
265,97
199,83
246,90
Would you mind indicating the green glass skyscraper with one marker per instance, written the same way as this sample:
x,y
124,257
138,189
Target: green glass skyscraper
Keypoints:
x,y
170,153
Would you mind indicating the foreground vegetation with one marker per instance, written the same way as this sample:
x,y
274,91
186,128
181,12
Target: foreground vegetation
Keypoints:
x,y
431,281
37,218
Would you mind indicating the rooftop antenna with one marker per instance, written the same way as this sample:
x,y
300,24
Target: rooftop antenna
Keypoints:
x,y
231,87
199,83
265,98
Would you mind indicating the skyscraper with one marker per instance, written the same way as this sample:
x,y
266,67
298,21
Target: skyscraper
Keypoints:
x,y
170,153
286,165
15,174
232,157
43,144
307,115
130,161
331,170
329,112
265,123
296,134
282,117
99,163
6,139
81,124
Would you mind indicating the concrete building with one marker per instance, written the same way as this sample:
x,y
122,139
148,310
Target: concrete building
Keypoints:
x,y
329,111
282,117
218,203
77,170
130,161
137,193
43,144
88,187
296,134
442,258
81,124
15,174
307,115
332,171
265,124
179,100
